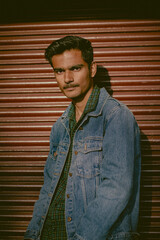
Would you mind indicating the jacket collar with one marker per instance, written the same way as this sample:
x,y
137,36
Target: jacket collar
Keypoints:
x,y
103,97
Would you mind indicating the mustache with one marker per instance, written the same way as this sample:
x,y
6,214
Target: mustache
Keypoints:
x,y
70,86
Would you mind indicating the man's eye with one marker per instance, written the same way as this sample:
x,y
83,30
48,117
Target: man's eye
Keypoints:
x,y
76,69
59,72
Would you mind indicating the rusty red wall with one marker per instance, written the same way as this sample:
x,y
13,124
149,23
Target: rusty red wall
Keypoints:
x,y
30,102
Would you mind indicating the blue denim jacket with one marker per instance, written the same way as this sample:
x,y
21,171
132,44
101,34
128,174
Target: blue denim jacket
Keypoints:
x,y
104,177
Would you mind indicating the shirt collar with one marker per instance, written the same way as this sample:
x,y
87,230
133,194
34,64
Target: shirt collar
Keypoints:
x,y
90,106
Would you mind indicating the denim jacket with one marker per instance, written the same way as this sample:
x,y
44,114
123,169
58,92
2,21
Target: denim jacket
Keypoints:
x,y
102,193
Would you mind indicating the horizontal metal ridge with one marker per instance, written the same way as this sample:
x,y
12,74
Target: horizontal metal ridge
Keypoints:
x,y
81,24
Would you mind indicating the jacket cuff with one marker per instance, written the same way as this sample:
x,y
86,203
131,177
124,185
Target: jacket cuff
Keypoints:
x,y
30,235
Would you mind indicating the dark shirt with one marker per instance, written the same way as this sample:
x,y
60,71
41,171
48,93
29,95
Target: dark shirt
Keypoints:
x,y
54,226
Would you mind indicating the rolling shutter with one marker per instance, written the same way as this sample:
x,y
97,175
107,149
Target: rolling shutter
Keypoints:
x,y
30,103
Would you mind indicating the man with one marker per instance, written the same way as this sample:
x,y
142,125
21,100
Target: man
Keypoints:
x,y
92,174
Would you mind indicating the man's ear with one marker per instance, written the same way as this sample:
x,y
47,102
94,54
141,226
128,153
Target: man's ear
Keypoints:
x,y
93,69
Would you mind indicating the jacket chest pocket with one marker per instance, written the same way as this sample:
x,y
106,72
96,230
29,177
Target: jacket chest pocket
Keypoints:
x,y
89,158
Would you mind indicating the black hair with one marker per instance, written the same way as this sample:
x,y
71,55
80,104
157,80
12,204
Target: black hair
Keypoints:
x,y
68,43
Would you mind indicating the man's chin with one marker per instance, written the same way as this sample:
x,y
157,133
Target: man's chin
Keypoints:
x,y
71,93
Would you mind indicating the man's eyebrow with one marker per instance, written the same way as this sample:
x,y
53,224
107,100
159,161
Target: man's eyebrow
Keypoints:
x,y
58,69
70,68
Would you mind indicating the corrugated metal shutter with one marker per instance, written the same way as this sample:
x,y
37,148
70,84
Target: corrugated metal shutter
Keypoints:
x,y
31,102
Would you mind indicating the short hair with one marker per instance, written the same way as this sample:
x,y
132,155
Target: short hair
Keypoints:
x,y
67,43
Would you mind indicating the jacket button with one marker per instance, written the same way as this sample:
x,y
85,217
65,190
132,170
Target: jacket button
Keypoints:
x,y
55,154
69,219
76,152
68,196
81,128
70,174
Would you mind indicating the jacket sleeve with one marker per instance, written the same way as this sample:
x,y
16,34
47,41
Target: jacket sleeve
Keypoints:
x,y
34,225
117,176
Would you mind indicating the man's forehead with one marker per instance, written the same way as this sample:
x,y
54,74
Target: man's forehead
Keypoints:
x,y
68,59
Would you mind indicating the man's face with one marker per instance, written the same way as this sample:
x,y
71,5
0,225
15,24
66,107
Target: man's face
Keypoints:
x,y
72,74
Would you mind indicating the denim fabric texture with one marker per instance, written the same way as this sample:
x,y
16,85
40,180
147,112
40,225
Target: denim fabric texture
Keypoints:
x,y
104,177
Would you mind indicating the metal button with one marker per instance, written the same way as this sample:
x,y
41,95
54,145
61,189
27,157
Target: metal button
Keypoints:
x,y
57,174
70,174
55,154
69,219
76,152
68,196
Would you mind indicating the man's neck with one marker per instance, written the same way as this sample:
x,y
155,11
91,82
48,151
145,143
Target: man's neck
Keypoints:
x,y
80,105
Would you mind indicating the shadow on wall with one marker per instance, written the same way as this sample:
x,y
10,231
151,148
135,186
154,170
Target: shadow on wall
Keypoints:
x,y
147,179
102,79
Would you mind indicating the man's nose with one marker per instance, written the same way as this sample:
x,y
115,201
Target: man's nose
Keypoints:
x,y
68,76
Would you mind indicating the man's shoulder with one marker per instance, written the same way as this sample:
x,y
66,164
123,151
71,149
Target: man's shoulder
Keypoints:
x,y
111,105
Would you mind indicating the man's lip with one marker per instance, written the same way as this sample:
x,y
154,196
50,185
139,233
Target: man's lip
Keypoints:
x,y
70,87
